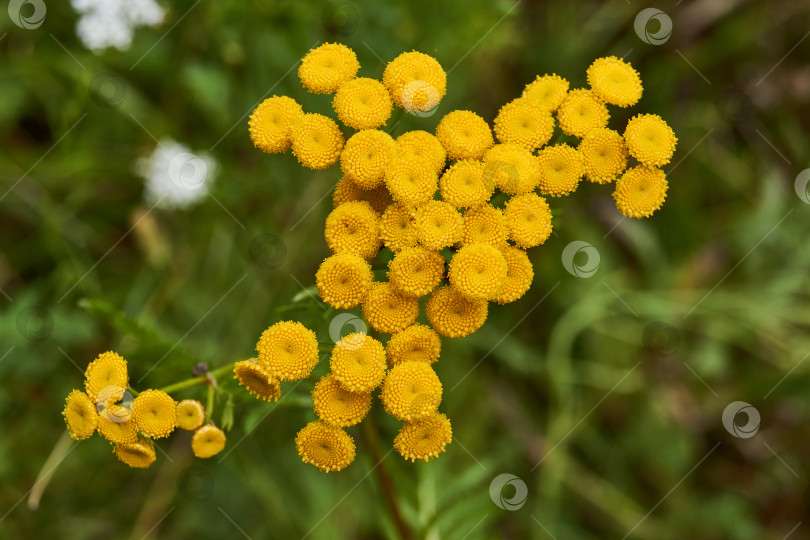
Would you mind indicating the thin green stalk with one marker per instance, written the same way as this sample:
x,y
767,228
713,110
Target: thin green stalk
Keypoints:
x,y
204,379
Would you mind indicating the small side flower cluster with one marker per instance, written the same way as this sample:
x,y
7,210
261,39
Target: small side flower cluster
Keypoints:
x,y
106,406
454,233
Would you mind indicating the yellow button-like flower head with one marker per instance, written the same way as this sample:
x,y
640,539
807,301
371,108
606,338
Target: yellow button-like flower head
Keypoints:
x,y
511,168
346,191
547,92
425,438
138,455
650,139
80,415
519,275
478,271
605,155
289,350
207,441
438,224
528,220
337,406
581,111
155,413
640,191
411,181
561,168
523,123
411,391
465,185
454,315
108,369
343,280
316,141
464,135
366,157
353,227
417,343
416,81
615,81
396,228
358,363
325,68
270,124
257,379
423,146
415,271
387,310
327,447
484,224
362,103
190,414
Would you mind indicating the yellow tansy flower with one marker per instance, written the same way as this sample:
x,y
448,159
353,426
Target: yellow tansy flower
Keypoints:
x,y
519,275
464,135
464,184
190,414
155,413
484,224
523,123
289,350
343,280
257,379
650,139
270,124
362,103
415,81
410,181
80,415
358,363
417,343
316,141
454,315
561,168
397,229
615,81
511,168
423,146
580,112
114,430
327,447
138,455
528,220
415,271
346,191
207,441
605,155
366,156
353,227
640,191
108,369
425,438
547,92
438,224
478,271
325,68
337,406
411,390
387,310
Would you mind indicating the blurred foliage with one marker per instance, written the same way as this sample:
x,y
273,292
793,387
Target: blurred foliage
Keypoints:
x,y
603,394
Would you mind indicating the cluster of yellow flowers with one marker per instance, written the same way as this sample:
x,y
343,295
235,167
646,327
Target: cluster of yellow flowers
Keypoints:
x,y
449,235
131,425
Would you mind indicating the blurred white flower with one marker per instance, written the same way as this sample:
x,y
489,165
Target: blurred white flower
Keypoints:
x,y
174,177
110,23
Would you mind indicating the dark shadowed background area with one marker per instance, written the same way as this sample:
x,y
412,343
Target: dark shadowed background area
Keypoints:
x,y
602,392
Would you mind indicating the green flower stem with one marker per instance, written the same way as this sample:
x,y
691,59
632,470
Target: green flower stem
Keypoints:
x,y
209,404
373,441
205,379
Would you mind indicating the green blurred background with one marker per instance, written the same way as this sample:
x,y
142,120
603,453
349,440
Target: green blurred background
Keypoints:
x,y
602,394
